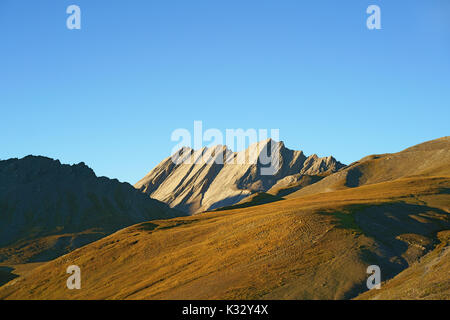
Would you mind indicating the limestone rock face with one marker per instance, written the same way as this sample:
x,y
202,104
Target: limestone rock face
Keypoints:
x,y
197,185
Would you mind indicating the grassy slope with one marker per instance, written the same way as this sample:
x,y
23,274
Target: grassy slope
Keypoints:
x,y
313,247
431,158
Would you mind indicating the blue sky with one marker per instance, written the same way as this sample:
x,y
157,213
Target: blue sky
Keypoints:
x,y
112,93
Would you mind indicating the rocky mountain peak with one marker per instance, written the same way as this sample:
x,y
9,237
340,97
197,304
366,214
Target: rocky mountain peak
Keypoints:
x,y
212,177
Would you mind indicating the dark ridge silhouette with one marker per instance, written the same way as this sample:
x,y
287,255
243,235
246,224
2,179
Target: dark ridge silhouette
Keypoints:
x,y
48,209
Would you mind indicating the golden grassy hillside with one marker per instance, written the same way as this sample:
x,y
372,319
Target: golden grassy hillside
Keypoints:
x,y
431,158
311,247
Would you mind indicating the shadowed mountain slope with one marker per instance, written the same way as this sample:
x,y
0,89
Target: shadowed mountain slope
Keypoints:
x,y
48,209
431,158
252,200
429,278
202,185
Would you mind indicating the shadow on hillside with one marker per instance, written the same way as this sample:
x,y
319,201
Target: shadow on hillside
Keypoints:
x,y
227,202
403,233
147,226
6,275
259,199
352,178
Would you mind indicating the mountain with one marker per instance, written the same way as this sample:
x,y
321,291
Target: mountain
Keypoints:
x,y
427,159
315,246
48,209
201,185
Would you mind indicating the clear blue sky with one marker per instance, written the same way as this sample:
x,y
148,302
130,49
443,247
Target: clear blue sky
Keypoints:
x,y
111,93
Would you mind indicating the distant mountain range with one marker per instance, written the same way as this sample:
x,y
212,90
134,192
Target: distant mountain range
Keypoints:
x,y
48,209
200,186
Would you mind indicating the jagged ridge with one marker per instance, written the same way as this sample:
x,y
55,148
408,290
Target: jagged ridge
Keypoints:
x,y
200,186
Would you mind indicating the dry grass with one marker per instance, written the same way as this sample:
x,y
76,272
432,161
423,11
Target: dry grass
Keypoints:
x,y
303,248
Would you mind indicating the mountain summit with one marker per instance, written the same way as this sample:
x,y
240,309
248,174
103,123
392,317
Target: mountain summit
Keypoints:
x,y
215,177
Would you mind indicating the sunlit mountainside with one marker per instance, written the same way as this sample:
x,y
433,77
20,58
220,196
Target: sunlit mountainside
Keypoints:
x,y
314,242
